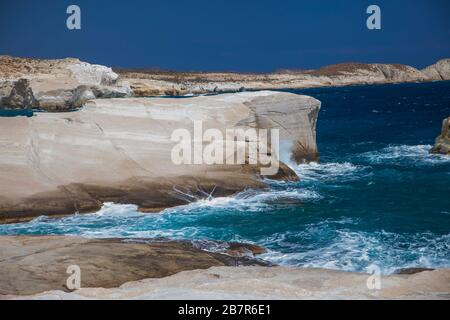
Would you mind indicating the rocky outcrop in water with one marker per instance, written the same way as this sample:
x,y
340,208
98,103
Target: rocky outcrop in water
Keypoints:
x,y
56,85
119,150
442,144
160,268
439,70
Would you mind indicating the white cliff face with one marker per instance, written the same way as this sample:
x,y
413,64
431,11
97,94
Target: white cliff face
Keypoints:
x,y
439,70
57,85
120,150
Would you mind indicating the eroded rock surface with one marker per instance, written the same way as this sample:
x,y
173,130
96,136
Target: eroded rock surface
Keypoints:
x,y
442,144
56,85
30,265
439,70
119,150
151,83
255,282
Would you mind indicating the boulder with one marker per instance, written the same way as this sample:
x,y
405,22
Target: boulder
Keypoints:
x,y
56,85
18,95
442,145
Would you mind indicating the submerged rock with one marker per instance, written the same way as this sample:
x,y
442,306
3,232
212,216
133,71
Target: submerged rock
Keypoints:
x,y
412,270
442,145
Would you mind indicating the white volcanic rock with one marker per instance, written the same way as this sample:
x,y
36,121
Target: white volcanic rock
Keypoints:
x,y
92,74
439,70
56,84
119,150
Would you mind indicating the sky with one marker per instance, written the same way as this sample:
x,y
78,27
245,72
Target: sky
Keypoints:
x,y
227,35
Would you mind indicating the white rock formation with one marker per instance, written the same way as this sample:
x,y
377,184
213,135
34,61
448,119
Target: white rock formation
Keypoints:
x,y
120,150
439,70
57,85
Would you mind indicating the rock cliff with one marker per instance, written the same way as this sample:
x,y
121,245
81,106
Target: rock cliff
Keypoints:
x,y
439,70
56,85
119,150
442,144
151,83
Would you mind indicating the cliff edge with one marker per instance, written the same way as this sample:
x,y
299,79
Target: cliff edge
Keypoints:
x,y
120,150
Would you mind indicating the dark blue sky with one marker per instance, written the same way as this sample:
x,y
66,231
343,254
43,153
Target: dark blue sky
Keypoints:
x,y
242,35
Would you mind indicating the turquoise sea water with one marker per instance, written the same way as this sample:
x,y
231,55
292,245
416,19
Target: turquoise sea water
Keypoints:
x,y
377,197
16,112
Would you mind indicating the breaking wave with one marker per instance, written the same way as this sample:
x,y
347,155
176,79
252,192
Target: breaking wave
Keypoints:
x,y
347,250
344,171
404,154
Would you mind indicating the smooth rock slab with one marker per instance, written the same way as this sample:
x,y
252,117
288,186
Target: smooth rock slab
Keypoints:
x,y
119,150
260,283
31,265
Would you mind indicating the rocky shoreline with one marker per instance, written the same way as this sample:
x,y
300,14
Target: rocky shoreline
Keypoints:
x,y
152,82
36,268
442,144
31,265
67,84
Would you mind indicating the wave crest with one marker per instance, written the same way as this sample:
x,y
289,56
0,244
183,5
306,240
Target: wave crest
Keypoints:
x,y
405,154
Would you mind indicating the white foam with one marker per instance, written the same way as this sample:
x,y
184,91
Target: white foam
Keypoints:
x,y
249,200
418,154
330,171
355,251
113,209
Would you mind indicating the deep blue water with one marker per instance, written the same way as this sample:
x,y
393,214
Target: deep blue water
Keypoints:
x,y
377,197
16,112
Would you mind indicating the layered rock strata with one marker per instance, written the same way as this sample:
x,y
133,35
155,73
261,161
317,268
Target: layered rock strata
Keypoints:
x,y
120,150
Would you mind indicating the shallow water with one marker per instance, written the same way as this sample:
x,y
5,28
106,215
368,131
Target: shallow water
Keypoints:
x,y
377,197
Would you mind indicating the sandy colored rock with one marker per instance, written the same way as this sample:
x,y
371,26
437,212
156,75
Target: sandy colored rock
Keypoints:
x,y
31,265
153,82
56,85
438,71
270,283
442,144
119,150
